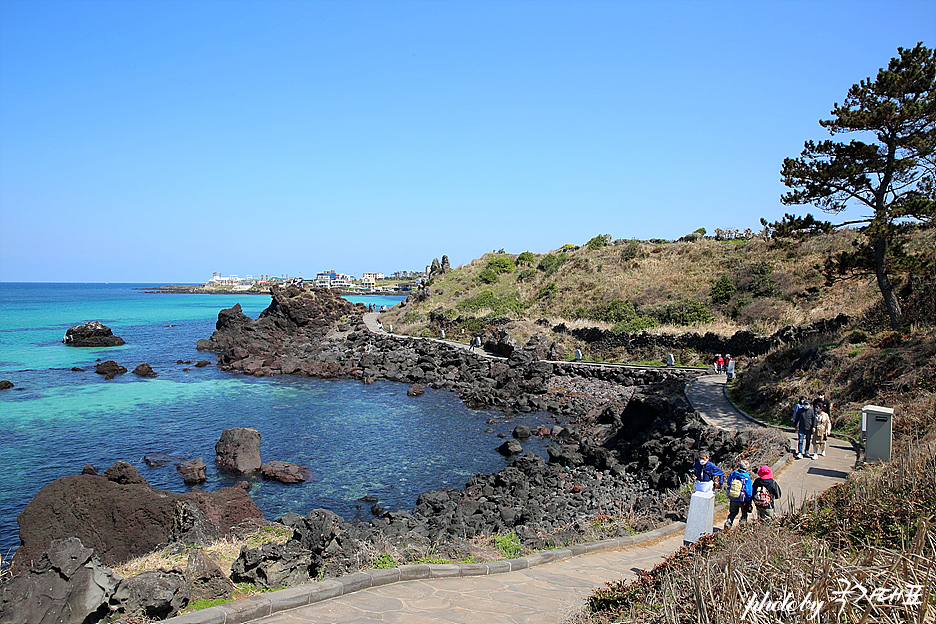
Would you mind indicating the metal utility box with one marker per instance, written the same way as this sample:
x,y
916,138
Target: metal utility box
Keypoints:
x,y
877,426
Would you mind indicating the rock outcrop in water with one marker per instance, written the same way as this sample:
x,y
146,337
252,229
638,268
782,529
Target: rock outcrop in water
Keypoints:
x,y
92,334
119,515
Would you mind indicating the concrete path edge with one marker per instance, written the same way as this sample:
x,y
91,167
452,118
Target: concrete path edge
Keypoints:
x,y
247,609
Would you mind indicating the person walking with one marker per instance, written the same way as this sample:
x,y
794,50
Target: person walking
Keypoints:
x,y
820,402
821,431
805,422
766,492
706,470
729,367
719,363
740,492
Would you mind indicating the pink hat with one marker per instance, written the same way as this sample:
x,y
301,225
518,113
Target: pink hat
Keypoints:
x,y
764,472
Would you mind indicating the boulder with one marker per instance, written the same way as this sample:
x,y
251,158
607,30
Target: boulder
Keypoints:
x,y
6,384
193,471
109,369
191,525
284,472
92,334
521,432
144,370
509,448
67,584
124,474
120,517
206,579
238,450
274,566
416,390
202,363
155,594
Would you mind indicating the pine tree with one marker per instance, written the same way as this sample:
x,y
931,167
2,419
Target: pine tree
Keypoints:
x,y
894,174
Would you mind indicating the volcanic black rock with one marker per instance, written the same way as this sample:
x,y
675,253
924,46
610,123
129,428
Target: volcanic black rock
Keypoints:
x,y
92,334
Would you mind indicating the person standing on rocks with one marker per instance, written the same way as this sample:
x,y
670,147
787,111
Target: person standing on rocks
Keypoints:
x,y
766,492
740,491
805,422
706,470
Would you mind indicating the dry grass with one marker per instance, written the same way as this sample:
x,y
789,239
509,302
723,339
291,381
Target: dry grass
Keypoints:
x,y
223,552
794,571
659,274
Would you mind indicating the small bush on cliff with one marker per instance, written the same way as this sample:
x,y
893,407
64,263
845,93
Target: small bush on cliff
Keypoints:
x,y
683,312
549,264
602,240
501,264
499,305
722,290
487,276
526,258
548,291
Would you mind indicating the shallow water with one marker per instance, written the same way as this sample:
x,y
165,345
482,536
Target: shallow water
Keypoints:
x,y
356,439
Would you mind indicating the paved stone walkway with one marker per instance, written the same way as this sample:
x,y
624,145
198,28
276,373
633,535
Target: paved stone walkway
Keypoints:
x,y
535,594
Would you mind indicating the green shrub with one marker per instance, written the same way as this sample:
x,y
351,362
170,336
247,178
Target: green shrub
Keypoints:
x,y
384,562
473,325
526,275
487,276
722,290
602,240
631,251
413,317
857,337
501,264
508,544
548,291
549,264
636,324
756,279
683,312
503,305
525,258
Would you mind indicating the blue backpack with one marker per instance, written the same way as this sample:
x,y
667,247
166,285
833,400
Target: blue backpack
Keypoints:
x,y
740,487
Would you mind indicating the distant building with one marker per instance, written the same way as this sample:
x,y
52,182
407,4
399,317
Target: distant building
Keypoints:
x,y
333,279
372,277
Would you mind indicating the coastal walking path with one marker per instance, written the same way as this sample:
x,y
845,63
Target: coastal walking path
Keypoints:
x,y
544,588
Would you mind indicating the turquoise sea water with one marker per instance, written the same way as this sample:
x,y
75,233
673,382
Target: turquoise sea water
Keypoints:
x,y
357,440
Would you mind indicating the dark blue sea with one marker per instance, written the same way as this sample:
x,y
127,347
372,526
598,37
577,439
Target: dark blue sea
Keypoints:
x,y
356,439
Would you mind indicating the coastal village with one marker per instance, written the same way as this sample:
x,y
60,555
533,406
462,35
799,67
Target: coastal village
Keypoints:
x,y
371,283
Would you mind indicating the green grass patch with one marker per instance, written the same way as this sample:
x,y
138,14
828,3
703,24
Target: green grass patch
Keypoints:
x,y
508,544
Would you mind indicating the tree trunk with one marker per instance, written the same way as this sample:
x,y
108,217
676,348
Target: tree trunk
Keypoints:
x,y
887,291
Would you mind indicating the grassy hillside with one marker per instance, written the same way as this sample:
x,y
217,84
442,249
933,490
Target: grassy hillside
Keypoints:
x,y
700,284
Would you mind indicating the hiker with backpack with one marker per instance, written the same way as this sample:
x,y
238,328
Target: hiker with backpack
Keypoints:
x,y
804,419
766,491
740,490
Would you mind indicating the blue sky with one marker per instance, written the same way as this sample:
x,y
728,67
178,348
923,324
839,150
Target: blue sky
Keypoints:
x,y
159,141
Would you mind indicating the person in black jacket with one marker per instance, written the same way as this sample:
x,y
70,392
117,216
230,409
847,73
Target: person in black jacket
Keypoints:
x,y
805,421
764,502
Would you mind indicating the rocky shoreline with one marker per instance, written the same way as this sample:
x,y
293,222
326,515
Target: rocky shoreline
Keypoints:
x,y
623,440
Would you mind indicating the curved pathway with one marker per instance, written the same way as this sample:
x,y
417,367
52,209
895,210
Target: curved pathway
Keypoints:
x,y
534,590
